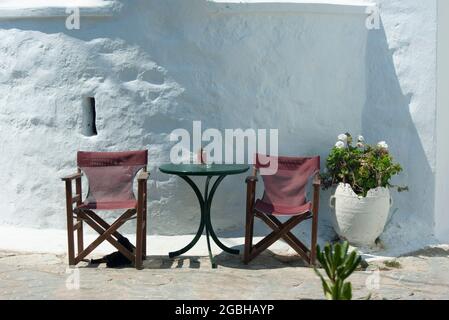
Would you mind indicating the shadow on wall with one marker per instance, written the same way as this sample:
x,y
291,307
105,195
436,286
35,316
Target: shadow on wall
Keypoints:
x,y
386,116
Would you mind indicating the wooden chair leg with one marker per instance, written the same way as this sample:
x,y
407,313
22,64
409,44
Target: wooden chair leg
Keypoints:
x,y
144,239
139,241
79,236
249,232
314,240
145,218
248,237
70,231
315,209
79,230
139,226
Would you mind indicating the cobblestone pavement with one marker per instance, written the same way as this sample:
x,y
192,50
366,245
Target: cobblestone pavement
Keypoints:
x,y
421,275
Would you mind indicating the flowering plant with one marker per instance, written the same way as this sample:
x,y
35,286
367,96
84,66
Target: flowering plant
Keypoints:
x,y
363,166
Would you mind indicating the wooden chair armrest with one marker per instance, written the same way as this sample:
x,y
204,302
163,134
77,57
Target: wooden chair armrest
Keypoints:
x,y
251,179
72,176
143,176
250,193
142,190
317,180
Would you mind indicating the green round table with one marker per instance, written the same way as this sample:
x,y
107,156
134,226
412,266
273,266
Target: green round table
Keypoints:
x,y
215,170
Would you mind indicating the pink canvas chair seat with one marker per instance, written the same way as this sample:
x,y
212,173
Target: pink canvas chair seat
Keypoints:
x,y
285,191
110,205
111,176
280,210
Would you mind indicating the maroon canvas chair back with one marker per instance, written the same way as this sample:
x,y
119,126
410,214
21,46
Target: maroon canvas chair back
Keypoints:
x,y
111,176
285,191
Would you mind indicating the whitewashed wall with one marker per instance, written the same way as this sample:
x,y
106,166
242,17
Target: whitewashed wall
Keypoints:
x,y
158,65
442,185
401,108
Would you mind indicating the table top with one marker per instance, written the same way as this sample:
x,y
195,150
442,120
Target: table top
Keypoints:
x,y
204,170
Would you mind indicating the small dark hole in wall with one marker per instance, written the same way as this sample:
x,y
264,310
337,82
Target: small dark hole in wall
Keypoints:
x,y
89,117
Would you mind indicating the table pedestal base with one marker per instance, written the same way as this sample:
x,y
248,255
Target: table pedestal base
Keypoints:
x,y
205,204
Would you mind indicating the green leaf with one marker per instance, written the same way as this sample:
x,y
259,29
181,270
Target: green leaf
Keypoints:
x,y
347,291
319,255
338,255
328,263
351,267
349,260
336,291
345,248
326,289
341,271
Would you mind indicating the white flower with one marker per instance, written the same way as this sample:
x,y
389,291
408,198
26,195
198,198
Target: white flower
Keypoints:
x,y
361,139
360,145
343,138
383,145
340,145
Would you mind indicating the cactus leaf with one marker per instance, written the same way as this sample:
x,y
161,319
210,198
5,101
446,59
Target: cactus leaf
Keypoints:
x,y
347,291
354,266
338,266
329,262
345,248
338,254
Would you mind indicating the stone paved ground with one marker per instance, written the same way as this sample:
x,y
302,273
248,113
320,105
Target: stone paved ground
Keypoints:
x,y
422,275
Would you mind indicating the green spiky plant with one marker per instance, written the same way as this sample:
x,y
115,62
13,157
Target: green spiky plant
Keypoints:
x,y
338,265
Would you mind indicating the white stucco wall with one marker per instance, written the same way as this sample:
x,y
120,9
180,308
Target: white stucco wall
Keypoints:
x,y
401,108
158,65
442,187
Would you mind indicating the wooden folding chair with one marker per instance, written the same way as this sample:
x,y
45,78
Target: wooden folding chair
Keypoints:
x,y
284,195
110,178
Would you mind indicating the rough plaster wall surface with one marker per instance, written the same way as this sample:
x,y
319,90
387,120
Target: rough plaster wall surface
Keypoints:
x,y
442,189
401,108
159,65
53,3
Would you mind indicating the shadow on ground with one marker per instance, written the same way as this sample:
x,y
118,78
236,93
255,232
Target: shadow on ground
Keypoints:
x,y
429,252
266,261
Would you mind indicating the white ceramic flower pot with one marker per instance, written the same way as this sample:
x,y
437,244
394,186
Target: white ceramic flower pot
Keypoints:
x,y
360,220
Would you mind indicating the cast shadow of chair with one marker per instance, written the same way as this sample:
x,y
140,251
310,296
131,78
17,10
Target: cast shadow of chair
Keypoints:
x,y
157,262
266,261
